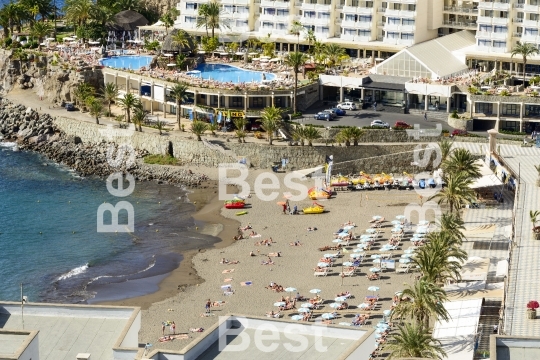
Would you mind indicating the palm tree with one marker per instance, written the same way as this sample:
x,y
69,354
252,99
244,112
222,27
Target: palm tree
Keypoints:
x,y
110,94
295,60
299,134
296,29
457,191
452,224
426,302
168,18
310,38
356,134
525,50
180,39
412,341
344,136
240,125
461,160
335,54
210,17
40,30
240,134
179,93
78,11
271,121
95,107
128,102
198,128
82,92
446,148
139,115
311,133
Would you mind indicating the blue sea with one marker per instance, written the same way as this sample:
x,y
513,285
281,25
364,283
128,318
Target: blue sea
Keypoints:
x,y
49,240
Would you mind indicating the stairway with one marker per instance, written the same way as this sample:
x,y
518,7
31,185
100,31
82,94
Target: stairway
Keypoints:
x,y
439,115
489,317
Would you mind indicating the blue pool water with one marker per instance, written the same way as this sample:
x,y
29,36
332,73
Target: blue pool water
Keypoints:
x,y
49,241
127,62
227,73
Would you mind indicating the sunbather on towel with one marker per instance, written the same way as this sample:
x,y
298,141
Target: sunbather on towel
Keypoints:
x,y
165,339
344,294
196,330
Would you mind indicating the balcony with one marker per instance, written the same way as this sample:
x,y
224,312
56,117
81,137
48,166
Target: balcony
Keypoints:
x,y
391,12
533,23
531,8
483,35
407,42
460,25
518,20
186,25
460,10
500,21
499,36
363,25
484,20
390,41
490,49
391,27
529,38
347,36
306,6
500,6
408,1
321,7
322,35
407,14
357,10
275,4
315,21
188,11
362,38
240,29
267,17
348,23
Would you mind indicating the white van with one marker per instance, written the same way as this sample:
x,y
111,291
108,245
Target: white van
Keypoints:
x,y
347,106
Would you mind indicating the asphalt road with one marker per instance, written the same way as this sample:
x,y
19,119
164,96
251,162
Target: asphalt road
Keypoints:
x,y
365,117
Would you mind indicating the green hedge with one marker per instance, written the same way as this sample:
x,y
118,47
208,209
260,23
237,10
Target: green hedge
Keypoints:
x,y
512,132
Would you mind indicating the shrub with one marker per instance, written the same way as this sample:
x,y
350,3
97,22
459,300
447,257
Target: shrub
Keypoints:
x,y
375,127
400,128
507,132
8,41
161,160
454,115
445,131
533,305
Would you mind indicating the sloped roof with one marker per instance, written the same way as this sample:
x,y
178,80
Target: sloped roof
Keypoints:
x,y
127,20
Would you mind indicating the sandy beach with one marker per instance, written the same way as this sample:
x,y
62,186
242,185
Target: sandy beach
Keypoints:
x,y
293,269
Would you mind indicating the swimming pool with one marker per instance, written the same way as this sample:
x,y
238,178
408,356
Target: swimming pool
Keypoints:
x,y
126,62
228,73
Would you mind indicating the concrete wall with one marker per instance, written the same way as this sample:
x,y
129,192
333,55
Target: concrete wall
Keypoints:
x,y
364,349
97,312
131,336
28,350
31,352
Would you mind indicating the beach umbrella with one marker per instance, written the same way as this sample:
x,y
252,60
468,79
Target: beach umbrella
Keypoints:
x,y
323,264
374,269
168,55
423,223
334,305
376,217
377,261
307,305
253,53
371,231
239,53
315,291
375,256
279,303
290,289
304,310
359,250
328,316
410,251
201,52
337,240
377,335
340,299
265,57
329,255
407,256
383,326
421,231
297,317
347,263
404,261
343,234
364,240
348,227
398,293
395,222
387,312
400,217
171,65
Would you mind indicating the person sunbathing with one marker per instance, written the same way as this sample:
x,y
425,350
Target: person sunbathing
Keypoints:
x,y
343,306
238,237
296,243
165,338
344,294
306,316
253,234
224,261
247,227
373,276
218,303
325,248
320,269
269,262
311,228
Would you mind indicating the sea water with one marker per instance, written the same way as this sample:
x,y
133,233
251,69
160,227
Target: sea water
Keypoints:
x,y
49,240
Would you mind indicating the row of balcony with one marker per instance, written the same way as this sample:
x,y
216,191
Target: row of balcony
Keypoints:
x,y
269,17
316,7
461,24
355,37
397,27
276,4
407,42
357,10
316,21
499,6
356,24
491,35
490,49
462,10
493,20
527,7
400,13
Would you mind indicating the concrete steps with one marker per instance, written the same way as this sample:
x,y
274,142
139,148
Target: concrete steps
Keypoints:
x,y
489,318
439,115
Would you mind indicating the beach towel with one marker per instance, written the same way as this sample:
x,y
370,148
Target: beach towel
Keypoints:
x,y
180,336
246,283
196,329
255,236
228,280
227,271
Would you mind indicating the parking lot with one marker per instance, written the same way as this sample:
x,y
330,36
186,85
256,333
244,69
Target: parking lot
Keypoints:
x,y
365,117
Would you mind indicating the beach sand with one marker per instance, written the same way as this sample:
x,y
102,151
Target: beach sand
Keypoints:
x,y
293,269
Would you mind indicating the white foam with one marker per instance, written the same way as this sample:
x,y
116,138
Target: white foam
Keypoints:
x,y
8,144
73,272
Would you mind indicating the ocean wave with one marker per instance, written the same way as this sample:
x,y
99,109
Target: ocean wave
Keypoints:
x,y
151,265
8,144
73,272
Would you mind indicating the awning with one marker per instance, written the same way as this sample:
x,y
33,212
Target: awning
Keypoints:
x,y
487,179
502,268
306,172
475,269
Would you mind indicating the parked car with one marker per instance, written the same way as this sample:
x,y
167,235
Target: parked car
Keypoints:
x,y
402,124
70,106
322,116
347,106
339,112
380,123
254,126
333,115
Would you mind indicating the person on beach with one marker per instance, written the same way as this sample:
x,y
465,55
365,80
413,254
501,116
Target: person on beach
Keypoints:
x,y
251,253
285,208
163,329
207,306
173,328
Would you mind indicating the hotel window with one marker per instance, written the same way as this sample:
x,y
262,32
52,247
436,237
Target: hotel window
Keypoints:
x,y
519,18
242,9
191,19
411,7
482,42
369,4
532,110
535,2
281,26
534,17
488,13
510,109
365,18
327,2
483,108
257,102
394,21
213,100
354,3
485,28
397,6
191,6
349,32
324,15
322,30
237,101
392,35
309,14
407,36
499,44
529,31
241,23
501,29
350,17
269,11
228,8
267,25
365,33
283,12
409,22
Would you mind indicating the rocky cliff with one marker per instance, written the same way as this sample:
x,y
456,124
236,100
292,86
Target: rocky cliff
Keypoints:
x,y
48,76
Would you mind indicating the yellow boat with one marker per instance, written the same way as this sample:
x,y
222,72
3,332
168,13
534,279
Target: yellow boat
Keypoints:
x,y
315,209
339,181
315,194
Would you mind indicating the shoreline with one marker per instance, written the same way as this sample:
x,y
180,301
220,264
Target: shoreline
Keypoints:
x,y
208,207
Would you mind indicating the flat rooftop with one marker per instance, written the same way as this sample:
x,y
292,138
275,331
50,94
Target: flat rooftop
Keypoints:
x,y
334,349
67,330
10,343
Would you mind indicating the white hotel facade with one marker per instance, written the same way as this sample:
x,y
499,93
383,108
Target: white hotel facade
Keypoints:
x,y
380,27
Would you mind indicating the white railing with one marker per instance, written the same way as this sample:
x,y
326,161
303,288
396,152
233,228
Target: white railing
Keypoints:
x,y
483,35
461,10
529,37
408,1
407,13
484,20
390,41
306,6
363,38
189,12
322,35
364,11
461,24
501,6
347,36
348,23
485,5
266,17
500,21
498,49
391,12
321,7
532,23
349,9
363,25
408,27
388,26
530,8
407,42
499,36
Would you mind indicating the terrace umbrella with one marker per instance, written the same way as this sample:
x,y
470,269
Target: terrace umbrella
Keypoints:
x,y
253,53
290,289
359,250
201,52
171,65
347,263
168,55
375,256
356,256
329,255
239,53
304,310
373,288
395,222
315,291
337,240
371,231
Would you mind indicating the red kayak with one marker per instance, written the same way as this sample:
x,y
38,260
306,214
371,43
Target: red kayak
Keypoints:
x,y
235,205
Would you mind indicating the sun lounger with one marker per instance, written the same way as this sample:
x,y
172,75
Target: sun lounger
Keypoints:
x,y
348,273
403,268
319,273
